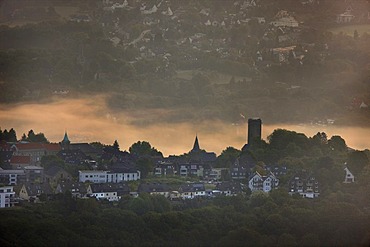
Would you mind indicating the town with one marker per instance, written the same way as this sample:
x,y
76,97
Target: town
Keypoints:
x,y
39,170
81,79
76,188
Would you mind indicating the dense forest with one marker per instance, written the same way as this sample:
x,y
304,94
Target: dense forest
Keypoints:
x,y
274,219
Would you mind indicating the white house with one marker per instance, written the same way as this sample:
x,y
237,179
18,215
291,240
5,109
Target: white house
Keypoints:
x,y
6,197
305,185
262,183
190,191
115,176
349,178
285,22
92,176
109,191
346,17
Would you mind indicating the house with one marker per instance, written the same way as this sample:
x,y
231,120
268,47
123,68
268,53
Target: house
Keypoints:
x,y
304,184
5,152
116,175
78,190
32,191
349,178
73,157
80,18
217,173
117,156
258,182
109,191
34,174
164,168
35,150
7,196
92,176
346,16
282,54
175,195
119,174
284,19
276,170
55,174
193,169
12,177
19,162
229,188
237,171
155,189
192,190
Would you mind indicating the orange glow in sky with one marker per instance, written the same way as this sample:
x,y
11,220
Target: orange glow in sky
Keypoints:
x,y
89,120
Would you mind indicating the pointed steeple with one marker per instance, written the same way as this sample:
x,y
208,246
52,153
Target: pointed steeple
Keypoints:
x,y
66,139
65,142
196,145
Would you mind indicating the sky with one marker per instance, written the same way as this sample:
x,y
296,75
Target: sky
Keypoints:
x,y
88,119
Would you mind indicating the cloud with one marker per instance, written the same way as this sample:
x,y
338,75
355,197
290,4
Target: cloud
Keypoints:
x,y
89,119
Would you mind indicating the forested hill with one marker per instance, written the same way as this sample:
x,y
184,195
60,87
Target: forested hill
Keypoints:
x,y
263,220
209,59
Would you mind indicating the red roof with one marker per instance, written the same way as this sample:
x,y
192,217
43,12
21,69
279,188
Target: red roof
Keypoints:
x,y
20,160
34,145
29,146
52,147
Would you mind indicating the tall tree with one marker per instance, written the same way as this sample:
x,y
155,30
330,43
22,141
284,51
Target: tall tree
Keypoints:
x,y
227,157
116,145
8,136
143,148
337,143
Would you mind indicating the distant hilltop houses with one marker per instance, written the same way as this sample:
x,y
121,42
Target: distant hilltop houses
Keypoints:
x,y
41,170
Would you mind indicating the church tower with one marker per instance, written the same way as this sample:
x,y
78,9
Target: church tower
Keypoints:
x,y
196,147
65,142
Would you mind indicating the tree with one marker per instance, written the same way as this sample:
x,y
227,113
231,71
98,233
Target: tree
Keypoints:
x,y
143,148
281,138
227,157
355,34
32,137
357,161
8,136
287,239
116,145
48,161
145,166
337,143
12,136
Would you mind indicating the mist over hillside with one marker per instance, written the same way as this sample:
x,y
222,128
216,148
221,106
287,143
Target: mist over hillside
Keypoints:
x,y
194,60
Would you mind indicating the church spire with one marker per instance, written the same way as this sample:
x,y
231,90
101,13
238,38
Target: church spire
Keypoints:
x,y
66,139
65,142
196,145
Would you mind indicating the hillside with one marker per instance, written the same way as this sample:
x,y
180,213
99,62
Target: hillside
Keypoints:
x,y
201,59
